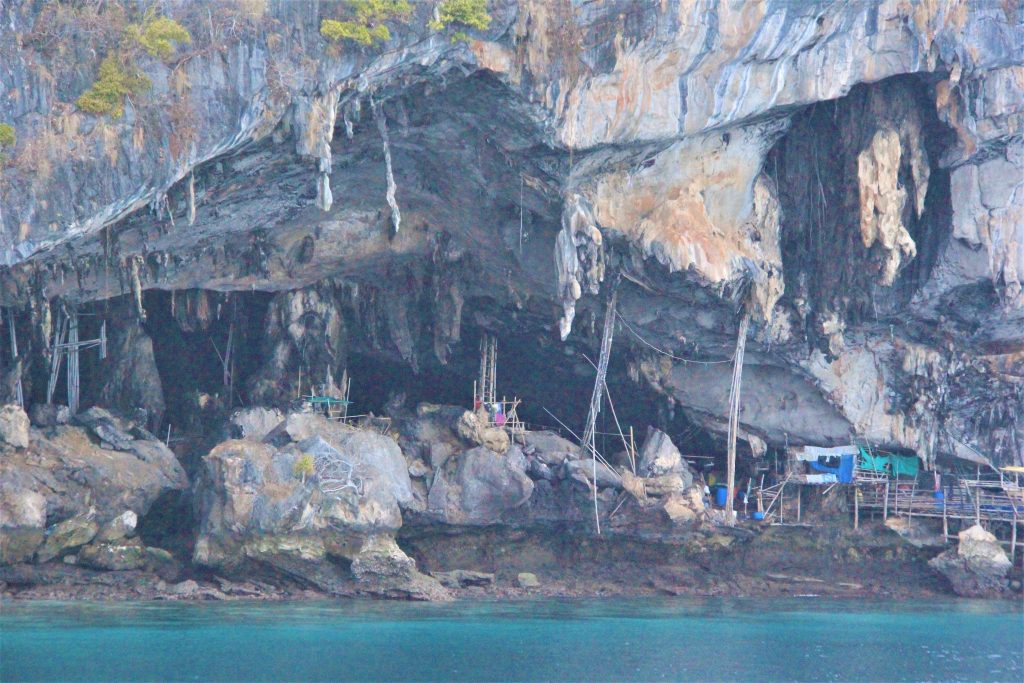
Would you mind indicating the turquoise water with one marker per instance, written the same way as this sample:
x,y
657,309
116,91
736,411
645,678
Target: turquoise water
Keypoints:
x,y
642,639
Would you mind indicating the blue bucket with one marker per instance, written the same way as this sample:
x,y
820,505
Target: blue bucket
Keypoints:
x,y
721,495
758,516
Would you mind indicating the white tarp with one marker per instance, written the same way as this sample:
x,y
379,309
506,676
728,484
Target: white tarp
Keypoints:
x,y
815,452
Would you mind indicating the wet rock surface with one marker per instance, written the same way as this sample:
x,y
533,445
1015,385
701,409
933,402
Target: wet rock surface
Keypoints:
x,y
73,480
977,567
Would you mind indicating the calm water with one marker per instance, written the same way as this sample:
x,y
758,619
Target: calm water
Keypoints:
x,y
663,639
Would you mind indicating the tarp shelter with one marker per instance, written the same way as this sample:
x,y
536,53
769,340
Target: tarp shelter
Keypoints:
x,y
893,465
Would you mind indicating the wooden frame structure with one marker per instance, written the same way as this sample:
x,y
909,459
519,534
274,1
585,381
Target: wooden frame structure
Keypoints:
x,y
497,413
984,498
67,343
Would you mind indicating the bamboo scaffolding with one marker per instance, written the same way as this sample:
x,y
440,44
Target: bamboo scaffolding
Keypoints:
x,y
588,441
734,411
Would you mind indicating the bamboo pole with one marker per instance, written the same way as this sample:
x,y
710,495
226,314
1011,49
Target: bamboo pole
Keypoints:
x,y
885,503
72,352
856,508
734,411
595,397
1013,538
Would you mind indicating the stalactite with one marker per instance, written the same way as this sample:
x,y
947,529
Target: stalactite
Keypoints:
x,y
191,198
382,126
133,272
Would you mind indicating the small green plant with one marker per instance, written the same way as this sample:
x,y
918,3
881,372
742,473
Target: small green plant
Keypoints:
x,y
464,13
7,138
116,80
157,35
366,25
303,467
119,74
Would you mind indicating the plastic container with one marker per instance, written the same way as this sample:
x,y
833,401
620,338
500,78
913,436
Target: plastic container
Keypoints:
x,y
758,516
721,496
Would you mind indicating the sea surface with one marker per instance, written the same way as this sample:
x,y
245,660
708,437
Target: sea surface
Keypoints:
x,y
805,639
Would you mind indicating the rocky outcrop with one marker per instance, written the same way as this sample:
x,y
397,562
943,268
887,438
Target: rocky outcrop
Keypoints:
x,y
977,567
14,426
330,495
73,480
847,172
480,486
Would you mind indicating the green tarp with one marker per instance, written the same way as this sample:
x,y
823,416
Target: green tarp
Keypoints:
x,y
894,465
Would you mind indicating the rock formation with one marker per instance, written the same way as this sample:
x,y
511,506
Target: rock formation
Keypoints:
x,y
268,209
977,567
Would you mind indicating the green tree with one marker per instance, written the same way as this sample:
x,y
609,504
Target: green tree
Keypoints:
x,y
157,35
116,80
464,13
365,19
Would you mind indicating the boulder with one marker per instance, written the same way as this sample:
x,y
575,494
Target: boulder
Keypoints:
x,y
419,469
14,426
74,476
463,578
472,428
118,556
67,535
685,507
659,457
119,527
49,415
255,504
254,423
549,448
583,472
483,487
382,568
22,523
978,567
664,485
527,580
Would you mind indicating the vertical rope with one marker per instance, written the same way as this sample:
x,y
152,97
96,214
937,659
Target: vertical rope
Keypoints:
x,y
587,442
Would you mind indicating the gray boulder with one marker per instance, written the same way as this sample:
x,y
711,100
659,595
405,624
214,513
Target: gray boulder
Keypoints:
x,y
978,567
382,568
67,535
481,487
583,472
527,580
659,456
257,504
22,522
463,578
49,415
255,423
118,556
549,448
119,527
14,426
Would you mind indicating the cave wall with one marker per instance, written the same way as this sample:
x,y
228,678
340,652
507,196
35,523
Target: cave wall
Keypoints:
x,y
847,172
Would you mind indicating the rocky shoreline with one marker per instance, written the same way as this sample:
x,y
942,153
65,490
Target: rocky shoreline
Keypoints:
x,y
441,507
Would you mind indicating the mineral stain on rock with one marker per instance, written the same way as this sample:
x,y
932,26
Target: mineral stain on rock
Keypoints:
x,y
282,227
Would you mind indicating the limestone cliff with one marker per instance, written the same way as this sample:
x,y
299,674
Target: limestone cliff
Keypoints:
x,y
851,173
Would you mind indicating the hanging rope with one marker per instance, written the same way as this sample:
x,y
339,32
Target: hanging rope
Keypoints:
x,y
666,353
